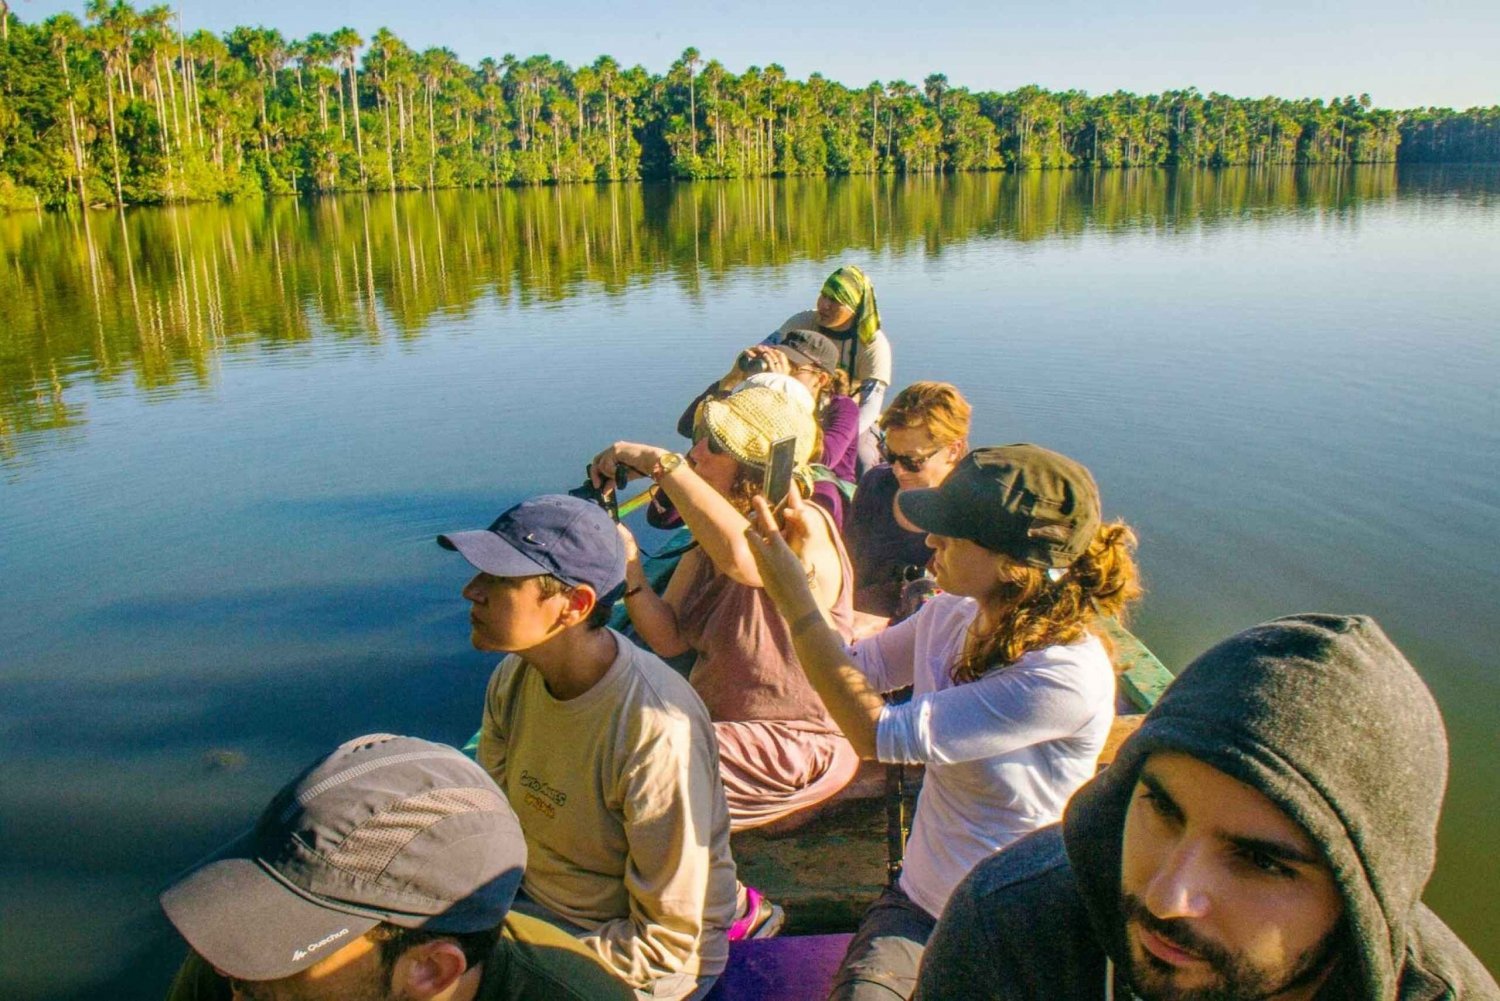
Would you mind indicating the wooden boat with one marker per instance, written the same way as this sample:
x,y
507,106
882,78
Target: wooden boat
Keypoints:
x,y
825,865
826,869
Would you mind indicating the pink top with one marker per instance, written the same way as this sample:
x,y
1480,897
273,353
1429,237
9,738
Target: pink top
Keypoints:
x,y
746,667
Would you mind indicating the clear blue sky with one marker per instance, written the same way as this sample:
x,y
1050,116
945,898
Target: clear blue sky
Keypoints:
x,y
1404,53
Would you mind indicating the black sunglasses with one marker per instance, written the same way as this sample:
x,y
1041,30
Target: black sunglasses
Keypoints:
x,y
702,433
910,463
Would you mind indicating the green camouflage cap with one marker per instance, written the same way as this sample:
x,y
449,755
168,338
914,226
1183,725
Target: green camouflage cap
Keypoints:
x,y
1022,501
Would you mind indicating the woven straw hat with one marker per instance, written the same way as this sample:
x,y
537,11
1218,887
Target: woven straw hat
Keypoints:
x,y
783,384
747,422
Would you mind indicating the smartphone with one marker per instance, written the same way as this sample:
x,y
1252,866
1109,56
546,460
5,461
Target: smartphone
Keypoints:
x,y
779,465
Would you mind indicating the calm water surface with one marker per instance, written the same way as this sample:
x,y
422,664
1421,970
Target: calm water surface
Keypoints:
x,y
229,434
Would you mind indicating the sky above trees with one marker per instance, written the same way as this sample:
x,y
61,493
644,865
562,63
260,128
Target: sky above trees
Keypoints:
x,y
1440,52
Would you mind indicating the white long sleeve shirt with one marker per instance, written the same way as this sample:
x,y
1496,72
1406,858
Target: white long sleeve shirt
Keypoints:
x,y
1003,753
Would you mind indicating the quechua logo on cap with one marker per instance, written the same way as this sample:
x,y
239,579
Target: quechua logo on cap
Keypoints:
x,y
300,954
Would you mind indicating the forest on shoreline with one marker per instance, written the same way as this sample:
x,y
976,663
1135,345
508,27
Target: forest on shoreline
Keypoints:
x,y
124,108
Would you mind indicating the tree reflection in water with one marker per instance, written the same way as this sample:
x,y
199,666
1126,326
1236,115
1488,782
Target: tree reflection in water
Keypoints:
x,y
157,296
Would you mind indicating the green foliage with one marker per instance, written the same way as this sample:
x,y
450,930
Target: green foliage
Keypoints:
x,y
1438,135
163,118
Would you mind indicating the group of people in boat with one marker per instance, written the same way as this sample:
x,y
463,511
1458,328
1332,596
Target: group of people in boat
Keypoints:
x,y
1266,833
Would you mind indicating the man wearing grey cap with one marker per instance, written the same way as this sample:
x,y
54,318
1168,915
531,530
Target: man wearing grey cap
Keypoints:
x,y
1265,835
607,755
383,872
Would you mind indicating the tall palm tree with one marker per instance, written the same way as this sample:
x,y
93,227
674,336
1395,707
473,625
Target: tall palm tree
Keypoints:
x,y
691,58
106,39
346,43
606,70
65,31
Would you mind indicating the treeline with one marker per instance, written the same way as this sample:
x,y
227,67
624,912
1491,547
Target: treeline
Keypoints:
x,y
1442,135
125,108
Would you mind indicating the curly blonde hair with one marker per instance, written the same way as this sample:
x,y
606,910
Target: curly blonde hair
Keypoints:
x,y
1031,611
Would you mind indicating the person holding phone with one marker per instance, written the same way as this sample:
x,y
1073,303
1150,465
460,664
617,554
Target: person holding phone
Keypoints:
x,y
1013,686
779,750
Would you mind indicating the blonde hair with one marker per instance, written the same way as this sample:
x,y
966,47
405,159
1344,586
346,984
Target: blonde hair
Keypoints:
x,y
937,406
1031,611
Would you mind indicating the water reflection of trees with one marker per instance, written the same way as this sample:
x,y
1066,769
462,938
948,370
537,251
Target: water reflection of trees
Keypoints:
x,y
156,296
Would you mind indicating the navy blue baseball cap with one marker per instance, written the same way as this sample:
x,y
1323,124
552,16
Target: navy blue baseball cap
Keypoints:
x,y
570,538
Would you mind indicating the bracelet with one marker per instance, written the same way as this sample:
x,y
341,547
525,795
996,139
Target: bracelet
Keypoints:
x,y
807,619
630,591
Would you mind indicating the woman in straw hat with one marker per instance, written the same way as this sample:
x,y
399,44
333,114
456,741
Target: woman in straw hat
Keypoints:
x,y
1014,690
779,751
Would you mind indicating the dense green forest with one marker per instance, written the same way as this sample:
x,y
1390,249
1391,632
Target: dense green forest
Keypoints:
x,y
127,109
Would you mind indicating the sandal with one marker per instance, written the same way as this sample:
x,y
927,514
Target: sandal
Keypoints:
x,y
761,918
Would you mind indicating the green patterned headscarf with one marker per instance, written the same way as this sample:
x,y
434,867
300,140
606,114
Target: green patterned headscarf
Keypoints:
x,y
849,286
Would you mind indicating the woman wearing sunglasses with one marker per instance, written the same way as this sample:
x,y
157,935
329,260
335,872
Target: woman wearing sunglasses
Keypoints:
x,y
779,751
923,434
1014,690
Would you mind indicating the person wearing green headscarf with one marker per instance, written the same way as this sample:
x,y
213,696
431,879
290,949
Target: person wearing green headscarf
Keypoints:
x,y
847,313
850,288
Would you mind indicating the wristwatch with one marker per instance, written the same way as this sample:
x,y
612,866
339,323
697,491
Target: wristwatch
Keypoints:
x,y
667,463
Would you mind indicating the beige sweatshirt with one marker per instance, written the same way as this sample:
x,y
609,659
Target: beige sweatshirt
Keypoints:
x,y
620,800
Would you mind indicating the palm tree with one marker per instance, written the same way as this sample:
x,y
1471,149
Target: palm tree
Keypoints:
x,y
106,40
346,43
65,30
935,86
691,59
387,46
606,69
313,55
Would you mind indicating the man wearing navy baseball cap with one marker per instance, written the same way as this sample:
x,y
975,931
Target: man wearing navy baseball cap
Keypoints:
x,y
385,870
607,754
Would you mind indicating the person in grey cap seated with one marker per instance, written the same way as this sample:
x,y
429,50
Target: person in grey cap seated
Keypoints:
x,y
385,870
1013,687
1265,834
606,753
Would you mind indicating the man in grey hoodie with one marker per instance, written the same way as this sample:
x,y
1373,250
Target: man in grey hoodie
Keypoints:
x,y
1266,834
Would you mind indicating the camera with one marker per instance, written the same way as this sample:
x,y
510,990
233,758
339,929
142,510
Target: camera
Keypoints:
x,y
608,501
751,364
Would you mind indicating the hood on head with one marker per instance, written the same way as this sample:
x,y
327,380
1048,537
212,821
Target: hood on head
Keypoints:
x,y
1326,718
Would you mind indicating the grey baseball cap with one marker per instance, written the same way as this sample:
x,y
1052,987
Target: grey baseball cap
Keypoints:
x,y
809,347
385,829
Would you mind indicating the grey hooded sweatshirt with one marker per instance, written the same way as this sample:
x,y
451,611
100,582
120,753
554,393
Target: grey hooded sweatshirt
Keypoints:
x,y
1324,716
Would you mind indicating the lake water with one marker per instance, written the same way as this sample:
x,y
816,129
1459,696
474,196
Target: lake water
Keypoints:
x,y
229,434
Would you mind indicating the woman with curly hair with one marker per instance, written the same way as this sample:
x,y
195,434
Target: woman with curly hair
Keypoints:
x,y
1014,690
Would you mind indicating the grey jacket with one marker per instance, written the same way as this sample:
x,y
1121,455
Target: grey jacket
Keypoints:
x,y
1324,716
